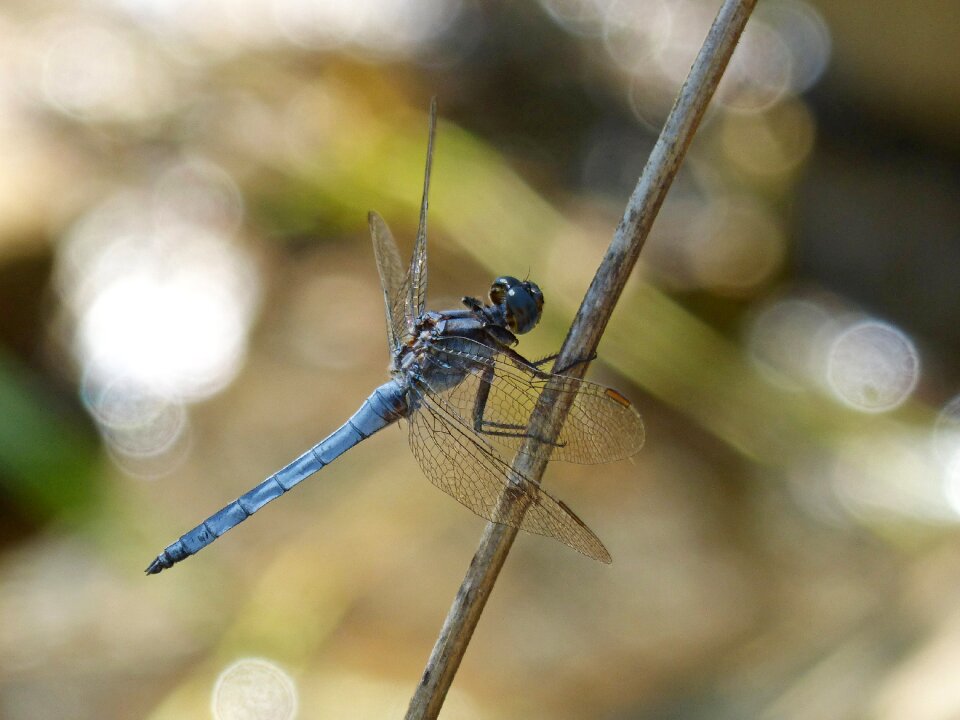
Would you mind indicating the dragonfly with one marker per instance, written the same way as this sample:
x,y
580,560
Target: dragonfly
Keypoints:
x,y
467,397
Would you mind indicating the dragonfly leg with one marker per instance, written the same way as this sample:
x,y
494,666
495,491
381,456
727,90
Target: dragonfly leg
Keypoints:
x,y
483,393
514,431
544,360
497,429
560,371
472,303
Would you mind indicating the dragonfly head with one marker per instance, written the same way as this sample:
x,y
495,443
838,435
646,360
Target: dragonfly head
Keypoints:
x,y
522,302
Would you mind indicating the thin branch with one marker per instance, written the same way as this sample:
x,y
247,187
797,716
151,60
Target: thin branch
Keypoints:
x,y
582,341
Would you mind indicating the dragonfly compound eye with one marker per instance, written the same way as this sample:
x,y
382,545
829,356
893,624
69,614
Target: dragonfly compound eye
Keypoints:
x,y
524,304
536,293
499,288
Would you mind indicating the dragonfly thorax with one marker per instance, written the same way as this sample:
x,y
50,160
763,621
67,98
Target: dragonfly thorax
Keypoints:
x,y
521,301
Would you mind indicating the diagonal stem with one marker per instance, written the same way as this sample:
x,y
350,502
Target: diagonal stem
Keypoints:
x,y
582,341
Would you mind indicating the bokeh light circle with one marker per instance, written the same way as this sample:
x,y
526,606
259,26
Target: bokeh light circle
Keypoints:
x,y
759,72
134,421
872,367
162,298
951,482
805,33
782,341
946,433
579,17
381,28
254,689
736,246
88,69
650,100
169,322
771,144
635,30
95,71
197,192
887,475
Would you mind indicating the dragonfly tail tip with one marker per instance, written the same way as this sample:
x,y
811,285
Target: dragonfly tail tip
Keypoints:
x,y
156,566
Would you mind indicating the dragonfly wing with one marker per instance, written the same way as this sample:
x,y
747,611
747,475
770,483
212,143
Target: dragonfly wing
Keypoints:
x,y
602,425
465,466
392,277
417,289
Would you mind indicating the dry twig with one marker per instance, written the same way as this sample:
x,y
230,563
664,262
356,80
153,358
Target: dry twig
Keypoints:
x,y
582,341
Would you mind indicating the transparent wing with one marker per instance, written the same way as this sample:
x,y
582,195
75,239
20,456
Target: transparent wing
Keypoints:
x,y
417,277
392,277
602,425
469,469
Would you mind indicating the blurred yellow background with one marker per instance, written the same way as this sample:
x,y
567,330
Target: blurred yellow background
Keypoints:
x,y
188,300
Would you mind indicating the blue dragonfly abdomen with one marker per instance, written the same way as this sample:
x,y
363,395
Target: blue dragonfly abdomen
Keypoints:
x,y
386,405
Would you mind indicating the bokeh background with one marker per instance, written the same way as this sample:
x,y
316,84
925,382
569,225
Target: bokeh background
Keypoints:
x,y
188,300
